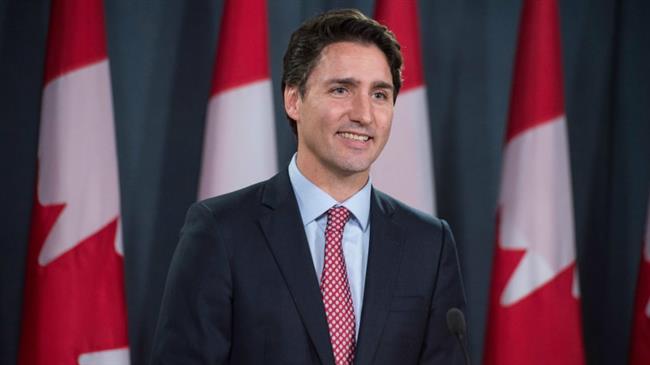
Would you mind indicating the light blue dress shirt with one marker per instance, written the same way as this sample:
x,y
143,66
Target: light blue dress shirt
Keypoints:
x,y
314,204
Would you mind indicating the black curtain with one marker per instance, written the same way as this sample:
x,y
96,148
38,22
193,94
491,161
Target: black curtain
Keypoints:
x,y
161,56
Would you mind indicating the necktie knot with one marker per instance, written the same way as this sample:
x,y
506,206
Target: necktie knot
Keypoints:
x,y
337,217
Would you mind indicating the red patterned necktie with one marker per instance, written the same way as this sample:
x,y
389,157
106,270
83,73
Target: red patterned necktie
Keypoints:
x,y
336,290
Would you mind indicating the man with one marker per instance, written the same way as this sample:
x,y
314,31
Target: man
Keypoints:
x,y
314,266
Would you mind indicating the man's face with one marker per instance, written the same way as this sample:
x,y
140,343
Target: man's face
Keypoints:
x,y
344,118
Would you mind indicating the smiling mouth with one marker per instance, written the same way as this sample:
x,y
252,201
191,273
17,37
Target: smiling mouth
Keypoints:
x,y
354,136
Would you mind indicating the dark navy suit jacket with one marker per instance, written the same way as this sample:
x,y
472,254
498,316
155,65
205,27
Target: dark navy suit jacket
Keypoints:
x,y
242,287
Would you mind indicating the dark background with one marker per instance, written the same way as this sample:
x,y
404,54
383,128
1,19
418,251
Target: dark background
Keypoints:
x,y
161,55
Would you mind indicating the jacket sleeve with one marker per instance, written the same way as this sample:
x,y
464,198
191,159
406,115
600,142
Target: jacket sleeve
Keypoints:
x,y
194,325
440,346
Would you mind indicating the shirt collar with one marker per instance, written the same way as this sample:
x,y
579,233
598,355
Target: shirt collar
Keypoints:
x,y
314,202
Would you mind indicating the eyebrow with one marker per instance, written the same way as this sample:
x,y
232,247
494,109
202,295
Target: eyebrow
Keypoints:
x,y
382,85
354,82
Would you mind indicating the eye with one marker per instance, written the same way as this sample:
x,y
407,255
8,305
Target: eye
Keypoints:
x,y
339,90
380,95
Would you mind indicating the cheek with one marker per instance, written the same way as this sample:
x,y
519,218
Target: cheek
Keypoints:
x,y
319,123
329,115
384,121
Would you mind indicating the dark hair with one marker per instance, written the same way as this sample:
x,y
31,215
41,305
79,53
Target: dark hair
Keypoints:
x,y
341,25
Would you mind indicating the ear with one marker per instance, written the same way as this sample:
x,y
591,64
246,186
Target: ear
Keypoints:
x,y
292,102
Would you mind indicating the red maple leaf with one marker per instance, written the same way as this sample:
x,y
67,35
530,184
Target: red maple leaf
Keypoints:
x,y
640,350
74,304
542,328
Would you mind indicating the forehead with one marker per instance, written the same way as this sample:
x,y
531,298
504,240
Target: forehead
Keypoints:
x,y
365,62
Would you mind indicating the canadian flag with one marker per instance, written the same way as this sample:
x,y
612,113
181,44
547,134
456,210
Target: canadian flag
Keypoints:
x,y
74,305
534,315
405,167
239,139
640,349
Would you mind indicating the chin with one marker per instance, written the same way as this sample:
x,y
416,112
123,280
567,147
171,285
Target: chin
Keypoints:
x,y
354,167
348,164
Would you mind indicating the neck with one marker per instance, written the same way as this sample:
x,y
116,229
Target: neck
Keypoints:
x,y
340,186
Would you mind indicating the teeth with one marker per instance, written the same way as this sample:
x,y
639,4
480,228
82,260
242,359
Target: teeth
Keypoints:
x,y
355,137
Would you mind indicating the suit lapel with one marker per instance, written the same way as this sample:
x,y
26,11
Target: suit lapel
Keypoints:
x,y
383,263
284,231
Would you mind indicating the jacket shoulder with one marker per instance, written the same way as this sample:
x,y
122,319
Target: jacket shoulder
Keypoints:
x,y
409,217
234,201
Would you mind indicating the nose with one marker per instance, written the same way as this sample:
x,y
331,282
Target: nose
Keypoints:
x,y
361,111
